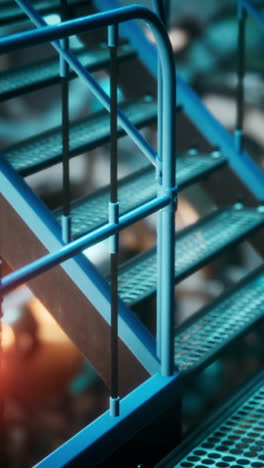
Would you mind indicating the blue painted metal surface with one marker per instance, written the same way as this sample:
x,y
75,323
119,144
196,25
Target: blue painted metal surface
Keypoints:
x,y
50,260
242,164
114,216
98,440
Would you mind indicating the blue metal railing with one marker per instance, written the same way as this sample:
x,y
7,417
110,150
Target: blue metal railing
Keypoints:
x,y
94,87
164,161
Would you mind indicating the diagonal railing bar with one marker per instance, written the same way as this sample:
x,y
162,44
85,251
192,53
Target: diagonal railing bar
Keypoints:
x,y
43,264
243,165
94,87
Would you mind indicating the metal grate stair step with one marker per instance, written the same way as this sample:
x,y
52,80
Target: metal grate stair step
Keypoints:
x,y
28,78
194,247
232,437
44,150
200,339
91,212
11,12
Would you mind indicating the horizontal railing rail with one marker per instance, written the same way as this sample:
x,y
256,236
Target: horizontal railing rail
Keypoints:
x,y
43,264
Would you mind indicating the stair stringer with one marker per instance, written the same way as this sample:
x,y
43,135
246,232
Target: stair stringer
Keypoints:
x,y
28,231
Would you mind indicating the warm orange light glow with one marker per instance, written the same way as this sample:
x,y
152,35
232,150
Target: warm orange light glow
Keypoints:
x,y
8,337
38,361
179,38
186,214
48,328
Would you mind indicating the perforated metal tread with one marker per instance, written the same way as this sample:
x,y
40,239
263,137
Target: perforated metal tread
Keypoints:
x,y
40,74
44,150
194,247
11,12
91,212
207,333
233,437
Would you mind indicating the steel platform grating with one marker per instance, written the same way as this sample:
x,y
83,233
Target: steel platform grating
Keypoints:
x,y
234,439
91,212
16,82
194,247
11,12
199,340
44,150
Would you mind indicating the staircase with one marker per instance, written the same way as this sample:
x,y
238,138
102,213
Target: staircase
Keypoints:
x,y
145,424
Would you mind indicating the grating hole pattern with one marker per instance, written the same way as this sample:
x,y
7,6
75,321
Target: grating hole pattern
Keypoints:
x,y
47,148
39,73
92,212
138,279
219,325
236,443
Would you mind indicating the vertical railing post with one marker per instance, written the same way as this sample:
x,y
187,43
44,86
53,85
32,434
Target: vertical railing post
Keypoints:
x,y
64,75
169,187
165,174
113,217
158,6
239,132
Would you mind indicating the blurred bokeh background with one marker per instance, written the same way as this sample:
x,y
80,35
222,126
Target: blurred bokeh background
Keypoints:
x,y
50,390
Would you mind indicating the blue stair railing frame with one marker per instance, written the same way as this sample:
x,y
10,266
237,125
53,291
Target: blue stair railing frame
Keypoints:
x,y
240,161
156,394
132,331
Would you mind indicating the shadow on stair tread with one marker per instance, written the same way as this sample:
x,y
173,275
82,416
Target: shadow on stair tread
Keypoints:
x,y
27,78
194,246
12,13
91,212
45,150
